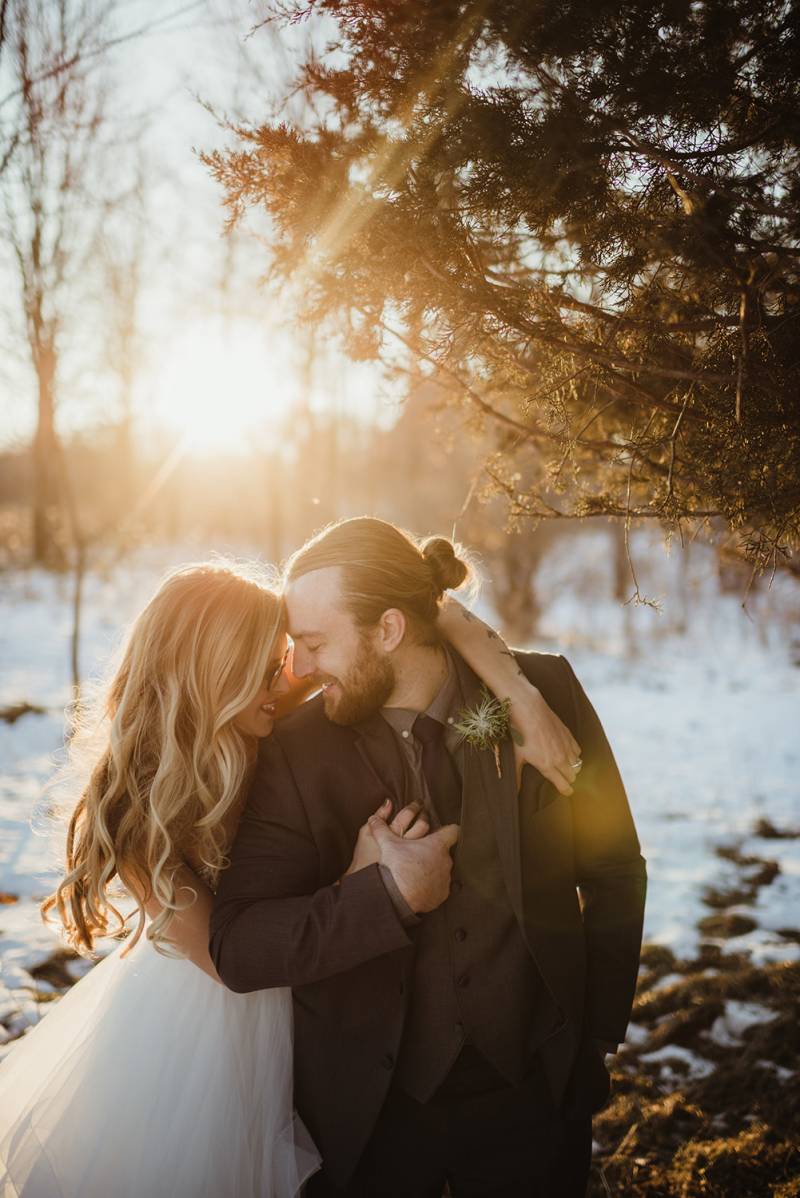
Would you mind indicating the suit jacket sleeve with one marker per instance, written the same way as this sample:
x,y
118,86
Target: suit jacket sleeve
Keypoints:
x,y
610,873
272,923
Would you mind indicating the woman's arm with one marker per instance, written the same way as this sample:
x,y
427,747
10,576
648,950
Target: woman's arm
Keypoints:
x,y
547,743
188,930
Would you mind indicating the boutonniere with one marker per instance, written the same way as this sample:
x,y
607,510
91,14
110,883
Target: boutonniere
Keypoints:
x,y
487,725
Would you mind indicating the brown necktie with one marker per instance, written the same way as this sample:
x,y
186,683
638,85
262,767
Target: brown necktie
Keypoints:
x,y
444,783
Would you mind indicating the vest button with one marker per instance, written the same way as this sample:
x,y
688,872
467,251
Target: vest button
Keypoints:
x,y
388,1061
464,981
461,935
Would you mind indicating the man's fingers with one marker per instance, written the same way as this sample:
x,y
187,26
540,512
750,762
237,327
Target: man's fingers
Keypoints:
x,y
419,829
448,834
404,819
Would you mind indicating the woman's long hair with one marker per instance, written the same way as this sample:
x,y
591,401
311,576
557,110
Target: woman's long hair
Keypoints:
x,y
161,761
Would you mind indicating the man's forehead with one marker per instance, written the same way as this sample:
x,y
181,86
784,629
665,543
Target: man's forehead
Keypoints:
x,y
313,599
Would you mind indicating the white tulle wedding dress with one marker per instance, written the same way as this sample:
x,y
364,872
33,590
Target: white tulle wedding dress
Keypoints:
x,y
149,1079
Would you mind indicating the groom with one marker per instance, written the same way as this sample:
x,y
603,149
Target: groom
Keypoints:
x,y
452,1008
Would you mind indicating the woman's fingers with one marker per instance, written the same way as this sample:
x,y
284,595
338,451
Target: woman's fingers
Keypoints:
x,y
384,811
560,779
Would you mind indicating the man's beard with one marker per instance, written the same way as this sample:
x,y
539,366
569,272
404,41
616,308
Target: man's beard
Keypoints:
x,y
367,685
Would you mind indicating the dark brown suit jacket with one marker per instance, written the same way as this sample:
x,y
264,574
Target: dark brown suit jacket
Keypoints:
x,y
575,878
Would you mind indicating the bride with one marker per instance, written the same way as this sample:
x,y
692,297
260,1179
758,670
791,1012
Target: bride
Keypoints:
x,y
149,1078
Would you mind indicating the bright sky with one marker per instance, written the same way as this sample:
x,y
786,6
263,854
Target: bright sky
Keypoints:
x,y
217,381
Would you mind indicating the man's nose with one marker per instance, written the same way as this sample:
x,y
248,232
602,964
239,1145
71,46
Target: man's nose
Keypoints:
x,y
302,664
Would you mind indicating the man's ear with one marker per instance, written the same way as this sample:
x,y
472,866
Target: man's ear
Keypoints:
x,y
391,629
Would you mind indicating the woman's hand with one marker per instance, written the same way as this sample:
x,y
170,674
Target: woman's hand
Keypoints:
x,y
408,823
547,743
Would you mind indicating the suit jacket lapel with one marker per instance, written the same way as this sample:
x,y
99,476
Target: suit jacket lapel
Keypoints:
x,y
500,794
377,746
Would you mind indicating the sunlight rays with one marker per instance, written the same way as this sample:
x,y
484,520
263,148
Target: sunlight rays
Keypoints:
x,y
223,388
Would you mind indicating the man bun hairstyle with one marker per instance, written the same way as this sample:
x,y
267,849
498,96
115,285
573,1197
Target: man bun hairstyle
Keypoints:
x,y
447,570
383,567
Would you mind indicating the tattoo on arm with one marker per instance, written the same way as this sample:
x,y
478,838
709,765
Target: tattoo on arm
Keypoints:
x,y
490,632
509,653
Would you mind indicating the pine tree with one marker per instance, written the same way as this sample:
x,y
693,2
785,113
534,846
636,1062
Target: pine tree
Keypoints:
x,y
583,218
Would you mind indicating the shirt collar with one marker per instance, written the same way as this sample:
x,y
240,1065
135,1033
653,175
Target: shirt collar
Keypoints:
x,y
441,707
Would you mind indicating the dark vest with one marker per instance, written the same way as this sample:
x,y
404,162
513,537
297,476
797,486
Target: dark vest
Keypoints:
x,y
474,980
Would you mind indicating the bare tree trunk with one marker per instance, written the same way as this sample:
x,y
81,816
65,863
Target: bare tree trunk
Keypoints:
x,y
77,612
47,547
514,575
623,583
52,193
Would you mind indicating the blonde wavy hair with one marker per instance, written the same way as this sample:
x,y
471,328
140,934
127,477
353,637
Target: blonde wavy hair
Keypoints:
x,y
161,759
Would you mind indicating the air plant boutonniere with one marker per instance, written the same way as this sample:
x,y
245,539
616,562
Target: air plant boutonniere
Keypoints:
x,y
487,725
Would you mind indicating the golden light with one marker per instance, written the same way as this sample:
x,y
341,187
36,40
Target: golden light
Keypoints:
x,y
223,387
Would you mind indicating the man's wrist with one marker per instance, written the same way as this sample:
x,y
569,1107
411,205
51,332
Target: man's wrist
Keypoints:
x,y
407,917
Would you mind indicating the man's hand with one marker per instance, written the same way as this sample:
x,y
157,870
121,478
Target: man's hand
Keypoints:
x,y
408,823
421,868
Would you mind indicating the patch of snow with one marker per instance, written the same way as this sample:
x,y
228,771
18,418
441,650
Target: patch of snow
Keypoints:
x,y
636,1034
694,1068
778,905
781,1072
763,947
669,979
729,1029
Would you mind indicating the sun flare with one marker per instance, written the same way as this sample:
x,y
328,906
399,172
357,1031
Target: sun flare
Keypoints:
x,y
221,389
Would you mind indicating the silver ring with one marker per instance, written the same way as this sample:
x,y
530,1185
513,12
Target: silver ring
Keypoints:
x,y
576,765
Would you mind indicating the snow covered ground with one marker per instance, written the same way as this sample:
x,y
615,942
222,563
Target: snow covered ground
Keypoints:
x,y
701,704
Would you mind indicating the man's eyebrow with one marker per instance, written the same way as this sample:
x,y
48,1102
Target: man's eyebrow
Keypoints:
x,y
304,636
